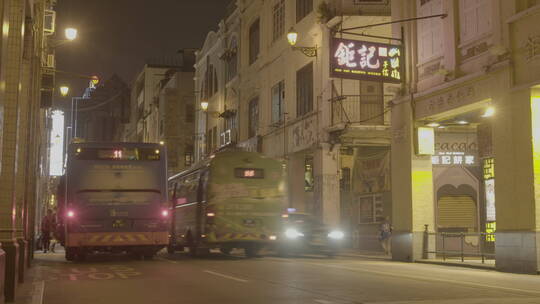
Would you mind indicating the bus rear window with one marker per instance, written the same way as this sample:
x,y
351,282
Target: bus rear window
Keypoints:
x,y
248,173
116,154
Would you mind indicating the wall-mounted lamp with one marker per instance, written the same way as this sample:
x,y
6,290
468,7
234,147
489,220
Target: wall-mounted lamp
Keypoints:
x,y
64,90
71,33
204,105
292,38
490,111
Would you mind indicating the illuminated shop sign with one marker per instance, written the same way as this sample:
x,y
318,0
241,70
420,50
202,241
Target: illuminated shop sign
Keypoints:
x,y
455,148
365,60
453,158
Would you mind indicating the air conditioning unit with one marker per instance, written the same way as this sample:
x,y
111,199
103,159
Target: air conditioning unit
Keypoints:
x,y
50,62
49,22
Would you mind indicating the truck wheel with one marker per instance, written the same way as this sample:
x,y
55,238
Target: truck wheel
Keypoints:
x,y
251,251
225,250
170,249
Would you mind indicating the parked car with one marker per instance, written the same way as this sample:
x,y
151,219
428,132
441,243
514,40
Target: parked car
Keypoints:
x,y
305,234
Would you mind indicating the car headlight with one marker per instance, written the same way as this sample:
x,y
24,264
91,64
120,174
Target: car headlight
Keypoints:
x,y
292,233
336,235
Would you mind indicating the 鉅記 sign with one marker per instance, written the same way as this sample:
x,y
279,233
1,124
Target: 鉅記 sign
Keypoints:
x,y
354,59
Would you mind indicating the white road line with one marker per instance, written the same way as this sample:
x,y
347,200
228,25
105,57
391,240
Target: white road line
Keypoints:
x,y
324,302
166,260
406,276
226,276
37,295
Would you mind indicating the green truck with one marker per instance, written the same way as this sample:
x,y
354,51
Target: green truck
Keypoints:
x,y
234,199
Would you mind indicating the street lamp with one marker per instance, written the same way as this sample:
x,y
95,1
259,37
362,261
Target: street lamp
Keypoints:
x,y
71,33
292,38
64,90
204,105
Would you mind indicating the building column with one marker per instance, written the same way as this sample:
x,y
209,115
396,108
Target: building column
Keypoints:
x,y
295,181
326,172
9,211
4,8
516,144
21,178
412,189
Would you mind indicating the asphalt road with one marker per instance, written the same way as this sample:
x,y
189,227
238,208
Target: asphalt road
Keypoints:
x,y
233,279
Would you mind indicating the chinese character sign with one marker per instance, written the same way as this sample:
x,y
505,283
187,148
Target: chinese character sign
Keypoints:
x,y
365,60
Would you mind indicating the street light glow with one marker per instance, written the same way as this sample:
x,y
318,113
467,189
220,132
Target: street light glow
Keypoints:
x,y
490,111
204,105
292,37
64,90
71,33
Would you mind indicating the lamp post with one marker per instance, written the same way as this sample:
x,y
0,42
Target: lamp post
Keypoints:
x,y
292,38
204,108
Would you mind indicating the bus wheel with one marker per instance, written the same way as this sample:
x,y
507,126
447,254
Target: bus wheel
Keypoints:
x,y
225,250
70,254
80,256
251,251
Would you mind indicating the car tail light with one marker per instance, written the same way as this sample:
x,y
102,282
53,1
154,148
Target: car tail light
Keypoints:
x,y
70,214
210,214
164,213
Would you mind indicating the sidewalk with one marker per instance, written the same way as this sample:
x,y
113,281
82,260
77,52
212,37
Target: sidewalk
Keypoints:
x,y
357,253
31,291
470,262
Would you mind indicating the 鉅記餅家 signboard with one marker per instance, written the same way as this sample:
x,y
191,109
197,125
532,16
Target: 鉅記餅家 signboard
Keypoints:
x,y
365,60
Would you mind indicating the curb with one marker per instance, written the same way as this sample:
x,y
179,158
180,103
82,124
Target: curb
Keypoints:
x,y
458,264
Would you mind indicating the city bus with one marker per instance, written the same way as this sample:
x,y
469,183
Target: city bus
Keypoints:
x,y
115,199
231,200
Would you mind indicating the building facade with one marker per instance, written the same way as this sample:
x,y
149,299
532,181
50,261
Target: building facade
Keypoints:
x,y
464,131
26,85
264,95
100,115
162,108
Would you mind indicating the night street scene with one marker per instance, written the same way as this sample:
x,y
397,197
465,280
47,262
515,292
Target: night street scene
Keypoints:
x,y
270,151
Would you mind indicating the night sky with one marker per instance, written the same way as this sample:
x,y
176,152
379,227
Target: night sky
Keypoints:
x,y
116,36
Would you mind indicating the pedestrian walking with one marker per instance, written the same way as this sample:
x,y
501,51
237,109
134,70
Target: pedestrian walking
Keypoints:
x,y
48,226
385,234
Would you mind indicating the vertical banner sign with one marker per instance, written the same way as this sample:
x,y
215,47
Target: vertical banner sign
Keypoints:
x,y
365,60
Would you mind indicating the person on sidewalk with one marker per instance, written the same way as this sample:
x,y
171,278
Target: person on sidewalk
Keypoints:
x,y
385,234
48,225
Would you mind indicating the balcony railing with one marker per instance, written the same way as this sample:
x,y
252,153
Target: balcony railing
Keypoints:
x,y
360,109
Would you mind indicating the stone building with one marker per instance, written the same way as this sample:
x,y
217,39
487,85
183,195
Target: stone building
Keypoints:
x,y
162,109
26,86
264,95
177,114
464,131
101,114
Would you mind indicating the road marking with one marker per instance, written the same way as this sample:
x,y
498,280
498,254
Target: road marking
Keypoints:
x,y
226,276
406,276
166,260
324,302
37,295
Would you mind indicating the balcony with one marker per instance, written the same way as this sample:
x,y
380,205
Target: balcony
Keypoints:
x,y
367,110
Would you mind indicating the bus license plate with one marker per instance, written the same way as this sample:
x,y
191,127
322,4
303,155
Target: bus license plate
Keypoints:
x,y
119,223
249,222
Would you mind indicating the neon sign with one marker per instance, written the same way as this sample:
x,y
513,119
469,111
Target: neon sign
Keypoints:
x,y
365,60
